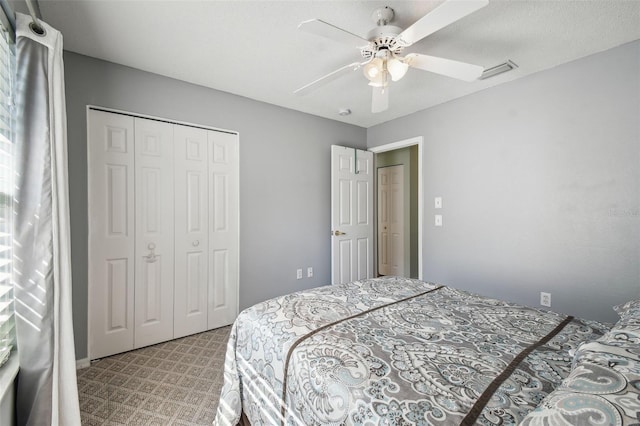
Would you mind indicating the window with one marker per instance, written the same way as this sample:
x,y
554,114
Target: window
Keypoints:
x,y
7,134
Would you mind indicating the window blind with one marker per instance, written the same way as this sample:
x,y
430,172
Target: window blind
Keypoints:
x,y
7,137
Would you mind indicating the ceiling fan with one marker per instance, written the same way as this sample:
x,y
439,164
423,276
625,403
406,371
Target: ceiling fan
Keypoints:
x,y
384,44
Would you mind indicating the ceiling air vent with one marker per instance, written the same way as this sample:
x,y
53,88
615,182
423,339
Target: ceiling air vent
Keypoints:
x,y
498,69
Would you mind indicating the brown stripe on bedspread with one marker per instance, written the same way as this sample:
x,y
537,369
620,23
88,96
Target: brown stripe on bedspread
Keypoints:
x,y
319,329
477,408
244,420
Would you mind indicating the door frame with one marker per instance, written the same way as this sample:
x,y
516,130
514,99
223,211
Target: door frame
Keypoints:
x,y
419,141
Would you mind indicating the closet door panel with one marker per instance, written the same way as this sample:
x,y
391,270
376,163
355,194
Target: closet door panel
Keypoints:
x,y
191,226
220,278
154,204
223,229
111,233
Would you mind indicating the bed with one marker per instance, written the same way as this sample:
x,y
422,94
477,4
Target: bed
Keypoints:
x,y
397,351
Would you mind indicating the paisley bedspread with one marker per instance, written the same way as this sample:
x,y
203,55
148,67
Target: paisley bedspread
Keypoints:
x,y
394,351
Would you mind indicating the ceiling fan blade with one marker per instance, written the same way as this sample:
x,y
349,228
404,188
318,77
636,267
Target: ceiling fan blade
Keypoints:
x,y
380,99
447,67
324,29
445,14
327,78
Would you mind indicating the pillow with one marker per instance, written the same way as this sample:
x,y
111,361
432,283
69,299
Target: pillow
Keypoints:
x,y
627,329
604,384
632,308
602,388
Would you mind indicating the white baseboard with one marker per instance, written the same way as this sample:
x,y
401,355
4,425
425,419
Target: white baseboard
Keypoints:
x,y
82,363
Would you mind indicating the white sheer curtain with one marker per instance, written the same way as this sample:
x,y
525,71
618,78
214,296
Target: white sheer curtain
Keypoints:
x,y
47,391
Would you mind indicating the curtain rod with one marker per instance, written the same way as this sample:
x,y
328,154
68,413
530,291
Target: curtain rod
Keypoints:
x,y
8,18
34,11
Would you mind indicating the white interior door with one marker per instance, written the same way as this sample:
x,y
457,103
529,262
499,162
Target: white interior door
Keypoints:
x,y
351,214
154,232
223,228
111,233
191,230
391,220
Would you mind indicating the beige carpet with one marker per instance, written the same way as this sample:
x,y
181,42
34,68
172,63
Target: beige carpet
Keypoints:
x,y
172,383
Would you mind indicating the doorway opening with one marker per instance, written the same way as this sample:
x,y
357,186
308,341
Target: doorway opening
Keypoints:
x,y
398,248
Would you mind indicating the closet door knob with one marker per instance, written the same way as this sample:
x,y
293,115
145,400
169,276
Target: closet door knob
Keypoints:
x,y
196,243
151,257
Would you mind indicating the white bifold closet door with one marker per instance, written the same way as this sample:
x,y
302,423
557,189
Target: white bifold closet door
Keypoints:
x,y
154,232
206,238
192,230
111,233
163,231
223,228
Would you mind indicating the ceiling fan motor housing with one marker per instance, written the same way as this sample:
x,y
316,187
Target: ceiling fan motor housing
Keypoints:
x,y
382,37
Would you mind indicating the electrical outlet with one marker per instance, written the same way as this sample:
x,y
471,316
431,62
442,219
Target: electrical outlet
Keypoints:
x,y
438,220
545,299
437,202
299,274
309,272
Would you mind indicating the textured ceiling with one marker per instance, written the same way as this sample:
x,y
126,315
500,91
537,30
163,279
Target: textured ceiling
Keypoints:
x,y
253,48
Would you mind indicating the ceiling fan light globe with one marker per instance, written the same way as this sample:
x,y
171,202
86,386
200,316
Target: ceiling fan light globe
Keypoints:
x,y
373,70
397,68
380,80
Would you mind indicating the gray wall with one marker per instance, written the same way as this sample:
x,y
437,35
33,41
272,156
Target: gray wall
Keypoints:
x,y
284,174
407,157
540,180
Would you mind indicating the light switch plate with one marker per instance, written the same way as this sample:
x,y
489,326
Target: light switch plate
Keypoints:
x,y
437,202
438,221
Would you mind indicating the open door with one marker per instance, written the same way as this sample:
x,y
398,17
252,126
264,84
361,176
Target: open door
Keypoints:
x,y
351,214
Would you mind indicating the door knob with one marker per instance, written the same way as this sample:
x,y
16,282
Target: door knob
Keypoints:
x,y
196,243
338,233
151,257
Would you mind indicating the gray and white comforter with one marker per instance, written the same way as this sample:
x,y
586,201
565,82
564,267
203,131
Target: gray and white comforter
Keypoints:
x,y
394,351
